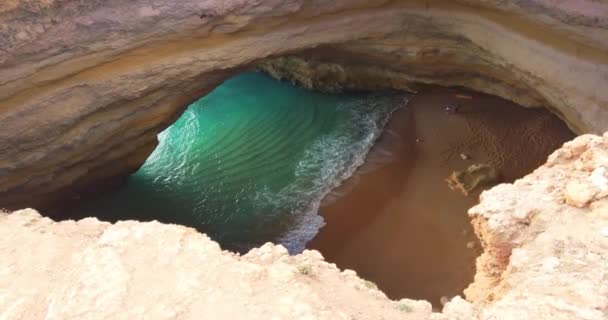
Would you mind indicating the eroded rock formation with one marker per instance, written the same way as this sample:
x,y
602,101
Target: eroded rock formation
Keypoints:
x,y
545,239
85,86
94,270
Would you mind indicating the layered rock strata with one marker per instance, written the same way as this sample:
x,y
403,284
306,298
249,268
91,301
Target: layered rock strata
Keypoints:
x,y
85,86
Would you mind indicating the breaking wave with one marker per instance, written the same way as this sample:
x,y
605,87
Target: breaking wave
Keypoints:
x,y
251,162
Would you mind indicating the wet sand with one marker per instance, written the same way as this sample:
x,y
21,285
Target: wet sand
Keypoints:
x,y
397,223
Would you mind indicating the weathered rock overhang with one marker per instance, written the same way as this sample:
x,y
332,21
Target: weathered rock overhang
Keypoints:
x,y
86,86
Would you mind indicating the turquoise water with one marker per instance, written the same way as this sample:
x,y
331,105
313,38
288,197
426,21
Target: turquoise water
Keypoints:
x,y
250,162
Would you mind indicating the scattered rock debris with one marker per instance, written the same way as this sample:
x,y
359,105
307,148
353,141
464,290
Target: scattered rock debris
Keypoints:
x,y
475,176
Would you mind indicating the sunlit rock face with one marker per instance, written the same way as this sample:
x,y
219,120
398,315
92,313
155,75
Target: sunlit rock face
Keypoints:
x,y
544,236
86,86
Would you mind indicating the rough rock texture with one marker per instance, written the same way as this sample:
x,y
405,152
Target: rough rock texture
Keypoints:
x,y
546,257
130,270
85,86
545,239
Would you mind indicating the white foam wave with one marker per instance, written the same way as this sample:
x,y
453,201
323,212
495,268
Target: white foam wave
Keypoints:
x,y
330,161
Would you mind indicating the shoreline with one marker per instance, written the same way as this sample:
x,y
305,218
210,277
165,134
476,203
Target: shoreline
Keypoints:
x,y
397,223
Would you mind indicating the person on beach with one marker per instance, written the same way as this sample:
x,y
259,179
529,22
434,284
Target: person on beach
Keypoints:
x,y
452,108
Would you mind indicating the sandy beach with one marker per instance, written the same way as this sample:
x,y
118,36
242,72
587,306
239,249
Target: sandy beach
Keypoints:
x,y
396,221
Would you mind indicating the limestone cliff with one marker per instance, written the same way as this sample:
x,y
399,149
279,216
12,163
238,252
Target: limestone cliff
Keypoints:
x,y
545,239
85,86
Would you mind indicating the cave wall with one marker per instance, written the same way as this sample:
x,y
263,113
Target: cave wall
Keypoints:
x,y
85,86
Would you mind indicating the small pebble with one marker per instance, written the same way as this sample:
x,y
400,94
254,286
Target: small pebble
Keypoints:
x,y
464,156
470,245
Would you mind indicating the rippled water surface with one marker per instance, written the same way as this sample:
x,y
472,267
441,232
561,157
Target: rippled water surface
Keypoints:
x,y
250,162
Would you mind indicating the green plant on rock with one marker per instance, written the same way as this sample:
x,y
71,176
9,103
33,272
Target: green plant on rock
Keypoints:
x,y
403,307
369,284
305,270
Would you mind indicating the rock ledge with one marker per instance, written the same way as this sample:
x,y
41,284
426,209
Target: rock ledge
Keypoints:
x,y
545,257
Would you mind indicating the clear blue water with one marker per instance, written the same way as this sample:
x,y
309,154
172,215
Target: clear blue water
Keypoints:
x,y
250,162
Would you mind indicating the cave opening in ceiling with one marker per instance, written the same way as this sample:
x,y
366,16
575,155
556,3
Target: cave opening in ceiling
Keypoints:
x,y
250,162
258,160
87,86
